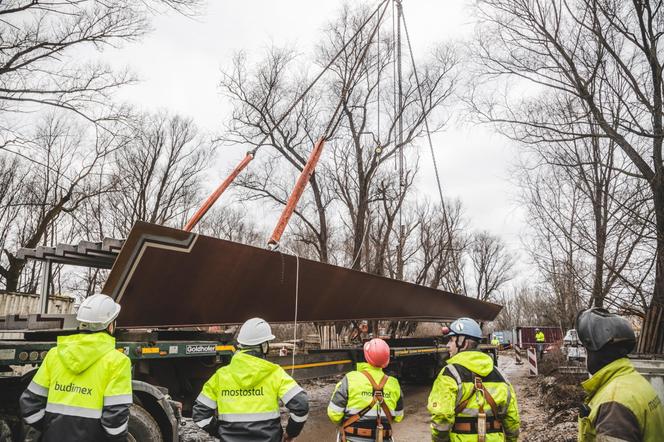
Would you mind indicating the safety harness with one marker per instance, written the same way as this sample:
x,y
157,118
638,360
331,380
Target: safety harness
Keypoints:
x,y
482,425
377,398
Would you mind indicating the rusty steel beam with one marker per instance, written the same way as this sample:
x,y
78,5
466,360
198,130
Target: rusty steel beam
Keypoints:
x,y
167,277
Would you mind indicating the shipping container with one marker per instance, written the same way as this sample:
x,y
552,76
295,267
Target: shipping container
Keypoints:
x,y
526,335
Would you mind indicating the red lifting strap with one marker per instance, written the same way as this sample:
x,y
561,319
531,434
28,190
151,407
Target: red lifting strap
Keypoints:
x,y
300,185
217,193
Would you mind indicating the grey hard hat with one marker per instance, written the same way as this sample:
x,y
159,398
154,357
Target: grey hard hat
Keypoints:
x,y
597,327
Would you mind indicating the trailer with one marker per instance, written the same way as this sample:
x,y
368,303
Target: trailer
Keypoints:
x,y
169,368
160,331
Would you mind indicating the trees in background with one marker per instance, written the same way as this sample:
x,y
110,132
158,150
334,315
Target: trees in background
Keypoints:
x,y
597,64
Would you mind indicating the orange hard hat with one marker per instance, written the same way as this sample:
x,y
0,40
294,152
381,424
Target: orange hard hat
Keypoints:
x,y
377,353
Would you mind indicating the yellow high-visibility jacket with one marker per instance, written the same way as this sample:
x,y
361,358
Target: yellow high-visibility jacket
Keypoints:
x,y
623,406
455,384
82,391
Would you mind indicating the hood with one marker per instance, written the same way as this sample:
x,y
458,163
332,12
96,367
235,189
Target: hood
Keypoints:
x,y
475,361
248,370
78,352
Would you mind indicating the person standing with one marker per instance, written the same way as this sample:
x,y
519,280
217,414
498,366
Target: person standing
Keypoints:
x,y
620,405
367,402
82,391
470,399
539,340
240,402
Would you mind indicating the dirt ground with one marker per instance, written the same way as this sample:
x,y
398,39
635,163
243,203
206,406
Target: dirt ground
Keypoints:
x,y
537,424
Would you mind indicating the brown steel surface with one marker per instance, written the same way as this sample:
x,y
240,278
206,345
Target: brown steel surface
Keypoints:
x,y
167,277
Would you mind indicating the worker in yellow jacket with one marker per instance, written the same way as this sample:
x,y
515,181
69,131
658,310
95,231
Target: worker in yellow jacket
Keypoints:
x,y
621,405
82,391
367,402
240,402
471,400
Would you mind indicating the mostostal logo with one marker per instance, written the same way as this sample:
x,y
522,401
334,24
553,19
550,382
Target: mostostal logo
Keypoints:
x,y
73,388
242,392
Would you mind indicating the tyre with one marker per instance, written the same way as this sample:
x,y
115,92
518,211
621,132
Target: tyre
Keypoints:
x,y
5,432
142,426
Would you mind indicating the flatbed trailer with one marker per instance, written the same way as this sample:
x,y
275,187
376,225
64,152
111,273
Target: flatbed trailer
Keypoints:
x,y
169,368
171,358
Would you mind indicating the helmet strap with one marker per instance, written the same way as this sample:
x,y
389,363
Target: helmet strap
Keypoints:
x,y
265,348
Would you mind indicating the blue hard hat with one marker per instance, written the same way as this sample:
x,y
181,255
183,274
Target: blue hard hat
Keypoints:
x,y
465,327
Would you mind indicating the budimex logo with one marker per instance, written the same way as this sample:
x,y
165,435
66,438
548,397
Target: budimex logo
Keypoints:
x,y
73,388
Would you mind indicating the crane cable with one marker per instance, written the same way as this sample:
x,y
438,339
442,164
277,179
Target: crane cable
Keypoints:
x,y
426,125
424,115
329,130
319,76
212,199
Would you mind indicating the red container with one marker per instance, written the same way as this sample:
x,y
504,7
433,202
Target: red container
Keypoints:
x,y
525,336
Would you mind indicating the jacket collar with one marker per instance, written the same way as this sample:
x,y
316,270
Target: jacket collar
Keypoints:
x,y
606,374
361,366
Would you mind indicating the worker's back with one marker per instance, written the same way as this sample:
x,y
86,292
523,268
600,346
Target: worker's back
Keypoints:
x,y
82,377
622,403
246,395
455,404
355,392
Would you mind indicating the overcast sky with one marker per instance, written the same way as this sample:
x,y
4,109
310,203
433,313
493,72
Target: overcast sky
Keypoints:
x,y
179,64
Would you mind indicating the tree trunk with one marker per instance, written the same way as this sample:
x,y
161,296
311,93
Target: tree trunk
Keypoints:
x,y
652,332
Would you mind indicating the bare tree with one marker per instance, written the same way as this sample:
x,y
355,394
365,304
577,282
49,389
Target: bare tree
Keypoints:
x,y
158,173
43,40
261,96
492,264
442,245
232,225
59,164
602,55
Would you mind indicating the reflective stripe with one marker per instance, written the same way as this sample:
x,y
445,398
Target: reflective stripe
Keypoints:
x,y
117,430
473,412
373,412
70,410
514,433
296,418
290,394
455,373
37,389
335,408
509,397
118,400
249,417
210,403
204,422
441,427
35,417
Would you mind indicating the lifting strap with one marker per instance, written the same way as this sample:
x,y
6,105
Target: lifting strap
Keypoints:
x,y
479,389
377,397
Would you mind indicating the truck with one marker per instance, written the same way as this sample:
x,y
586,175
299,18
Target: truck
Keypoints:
x,y
170,363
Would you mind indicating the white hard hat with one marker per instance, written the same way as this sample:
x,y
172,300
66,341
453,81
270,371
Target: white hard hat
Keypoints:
x,y
254,331
96,312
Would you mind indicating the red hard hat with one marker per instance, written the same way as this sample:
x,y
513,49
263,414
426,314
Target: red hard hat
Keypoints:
x,y
377,353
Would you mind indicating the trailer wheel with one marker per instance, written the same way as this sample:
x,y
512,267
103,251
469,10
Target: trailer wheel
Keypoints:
x,y
5,432
142,426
